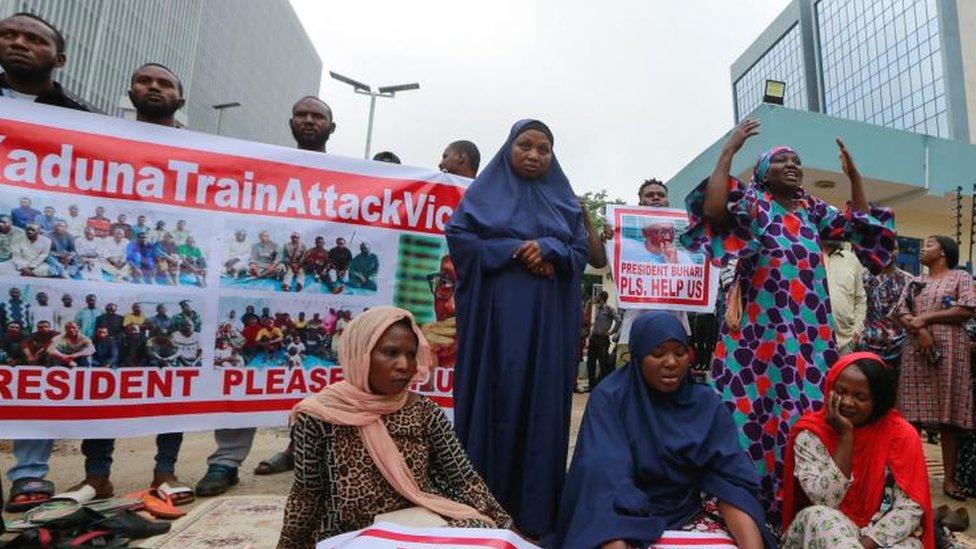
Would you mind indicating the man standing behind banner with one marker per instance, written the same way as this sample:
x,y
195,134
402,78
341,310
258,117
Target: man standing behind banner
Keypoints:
x,y
30,50
157,93
848,300
605,325
459,158
652,193
311,125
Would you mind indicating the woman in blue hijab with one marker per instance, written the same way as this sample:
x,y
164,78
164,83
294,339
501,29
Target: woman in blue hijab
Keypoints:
x,y
519,246
657,452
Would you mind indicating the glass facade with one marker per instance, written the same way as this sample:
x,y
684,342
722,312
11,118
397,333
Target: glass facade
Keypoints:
x,y
783,62
210,44
882,63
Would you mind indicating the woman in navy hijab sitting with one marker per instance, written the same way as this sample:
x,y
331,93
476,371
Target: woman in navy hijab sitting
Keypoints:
x,y
658,452
519,246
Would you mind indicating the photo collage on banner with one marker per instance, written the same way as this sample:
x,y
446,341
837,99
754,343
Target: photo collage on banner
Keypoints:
x,y
154,280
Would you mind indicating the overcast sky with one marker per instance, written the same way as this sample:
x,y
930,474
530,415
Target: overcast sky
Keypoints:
x,y
631,88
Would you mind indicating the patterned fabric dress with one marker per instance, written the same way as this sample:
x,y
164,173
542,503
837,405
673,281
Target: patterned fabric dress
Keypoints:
x,y
770,369
822,526
966,463
338,488
933,395
883,333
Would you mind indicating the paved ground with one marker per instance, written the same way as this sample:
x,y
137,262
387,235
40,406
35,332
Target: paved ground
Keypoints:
x,y
133,463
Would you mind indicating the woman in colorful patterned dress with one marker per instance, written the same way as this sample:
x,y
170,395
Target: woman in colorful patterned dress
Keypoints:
x,y
883,334
934,390
770,363
855,472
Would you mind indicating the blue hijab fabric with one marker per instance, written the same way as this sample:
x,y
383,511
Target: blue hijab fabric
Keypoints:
x,y
517,332
644,459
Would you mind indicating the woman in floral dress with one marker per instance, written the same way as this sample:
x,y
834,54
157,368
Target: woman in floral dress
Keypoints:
x,y
934,390
769,364
855,472
883,333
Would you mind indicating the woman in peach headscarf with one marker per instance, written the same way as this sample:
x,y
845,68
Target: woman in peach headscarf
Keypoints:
x,y
367,446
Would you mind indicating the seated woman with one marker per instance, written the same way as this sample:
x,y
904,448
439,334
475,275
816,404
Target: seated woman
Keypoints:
x,y
657,452
367,446
855,471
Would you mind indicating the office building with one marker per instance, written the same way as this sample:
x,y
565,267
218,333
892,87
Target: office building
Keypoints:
x,y
896,79
252,52
902,64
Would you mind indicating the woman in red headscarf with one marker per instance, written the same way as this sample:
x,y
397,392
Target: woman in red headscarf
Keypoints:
x,y
854,473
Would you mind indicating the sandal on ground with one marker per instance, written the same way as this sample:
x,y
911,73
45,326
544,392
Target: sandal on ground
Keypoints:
x,y
168,485
157,505
133,525
102,539
956,521
219,479
281,462
179,492
27,493
90,489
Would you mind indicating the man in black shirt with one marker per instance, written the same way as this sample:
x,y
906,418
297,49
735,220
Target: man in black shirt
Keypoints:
x,y
339,257
30,50
606,322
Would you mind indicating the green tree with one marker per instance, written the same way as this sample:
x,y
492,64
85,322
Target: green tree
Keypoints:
x,y
596,203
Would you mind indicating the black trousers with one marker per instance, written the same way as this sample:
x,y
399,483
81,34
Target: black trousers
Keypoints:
x,y
598,355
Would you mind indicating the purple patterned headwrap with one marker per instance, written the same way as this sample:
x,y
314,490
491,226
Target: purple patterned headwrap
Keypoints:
x,y
764,160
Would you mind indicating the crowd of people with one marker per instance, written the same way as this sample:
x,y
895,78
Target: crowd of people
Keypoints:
x,y
38,243
806,435
294,265
277,338
77,336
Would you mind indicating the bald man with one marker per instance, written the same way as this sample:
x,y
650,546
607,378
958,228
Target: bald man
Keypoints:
x,y
461,158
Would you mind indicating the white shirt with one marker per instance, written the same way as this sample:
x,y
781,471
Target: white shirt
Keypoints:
x,y
187,345
113,249
88,248
76,226
43,313
238,250
7,92
31,254
63,315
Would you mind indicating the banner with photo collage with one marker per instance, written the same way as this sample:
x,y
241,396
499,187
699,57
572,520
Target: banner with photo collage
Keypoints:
x,y
155,279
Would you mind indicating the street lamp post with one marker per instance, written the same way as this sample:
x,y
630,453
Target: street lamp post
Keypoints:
x,y
220,107
364,89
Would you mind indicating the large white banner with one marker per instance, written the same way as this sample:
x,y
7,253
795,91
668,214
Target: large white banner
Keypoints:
x,y
154,279
650,267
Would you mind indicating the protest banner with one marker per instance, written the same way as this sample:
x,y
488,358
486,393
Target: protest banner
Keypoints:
x,y
387,535
212,275
650,267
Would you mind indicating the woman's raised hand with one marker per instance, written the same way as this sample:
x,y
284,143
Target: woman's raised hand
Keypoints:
x,y
746,129
846,161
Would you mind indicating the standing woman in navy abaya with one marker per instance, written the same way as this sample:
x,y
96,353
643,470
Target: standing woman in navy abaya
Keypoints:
x,y
519,245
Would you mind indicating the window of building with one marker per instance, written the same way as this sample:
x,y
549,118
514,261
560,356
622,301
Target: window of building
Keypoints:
x,y
887,46
783,62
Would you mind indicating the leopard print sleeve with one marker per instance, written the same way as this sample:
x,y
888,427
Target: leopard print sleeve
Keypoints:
x,y
307,514
455,478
